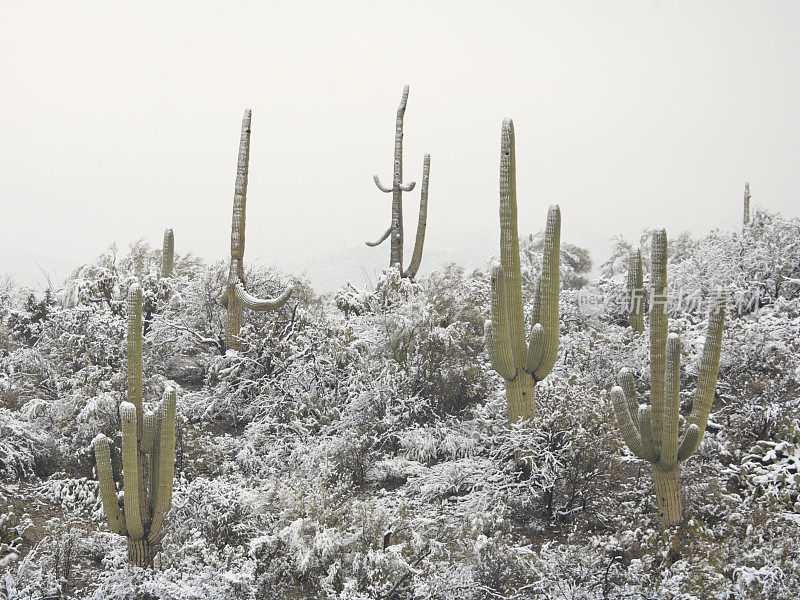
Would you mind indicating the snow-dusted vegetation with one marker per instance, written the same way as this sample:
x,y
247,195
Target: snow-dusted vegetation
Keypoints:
x,y
358,445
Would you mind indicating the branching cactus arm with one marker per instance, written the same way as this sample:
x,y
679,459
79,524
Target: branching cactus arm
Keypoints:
x,y
108,490
419,242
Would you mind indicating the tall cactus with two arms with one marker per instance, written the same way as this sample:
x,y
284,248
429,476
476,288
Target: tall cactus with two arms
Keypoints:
x,y
235,297
395,230
652,432
522,362
148,448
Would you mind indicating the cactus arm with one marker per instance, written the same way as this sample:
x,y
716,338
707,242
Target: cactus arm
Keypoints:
x,y
407,187
709,368
509,247
672,404
746,213
130,471
253,303
689,443
646,433
380,240
166,466
134,342
168,254
636,291
381,187
625,422
629,388
499,344
535,347
240,190
550,283
149,432
419,242
155,461
658,331
108,491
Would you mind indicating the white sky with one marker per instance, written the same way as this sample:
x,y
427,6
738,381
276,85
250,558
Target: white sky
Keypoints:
x,y
117,122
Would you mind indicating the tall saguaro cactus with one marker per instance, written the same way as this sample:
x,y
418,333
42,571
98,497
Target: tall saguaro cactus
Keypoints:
x,y
522,362
168,253
746,210
236,298
636,292
148,456
652,432
395,230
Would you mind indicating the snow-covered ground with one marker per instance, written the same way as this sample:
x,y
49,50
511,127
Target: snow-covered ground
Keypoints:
x,y
358,446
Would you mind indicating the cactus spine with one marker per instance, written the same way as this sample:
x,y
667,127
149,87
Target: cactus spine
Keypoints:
x,y
746,211
652,432
522,362
235,297
168,254
148,448
636,292
395,230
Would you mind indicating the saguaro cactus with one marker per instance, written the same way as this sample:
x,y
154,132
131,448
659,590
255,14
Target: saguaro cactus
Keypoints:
x,y
235,297
652,432
636,292
148,456
522,362
168,254
746,211
395,230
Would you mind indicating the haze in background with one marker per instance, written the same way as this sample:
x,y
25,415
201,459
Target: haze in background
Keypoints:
x,y
116,122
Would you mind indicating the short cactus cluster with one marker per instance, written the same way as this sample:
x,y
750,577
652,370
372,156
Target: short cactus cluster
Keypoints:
x,y
652,432
148,456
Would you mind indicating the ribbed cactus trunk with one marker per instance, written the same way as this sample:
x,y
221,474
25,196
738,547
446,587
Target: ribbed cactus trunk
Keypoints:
x,y
522,362
636,292
746,209
148,456
168,254
395,230
235,297
652,432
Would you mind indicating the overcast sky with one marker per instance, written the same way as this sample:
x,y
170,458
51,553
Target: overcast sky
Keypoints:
x,y
116,122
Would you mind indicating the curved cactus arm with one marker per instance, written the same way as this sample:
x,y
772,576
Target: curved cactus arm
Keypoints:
x,y
419,242
380,240
629,387
381,187
535,347
550,284
689,443
108,491
253,303
625,422
168,254
658,331
499,340
672,404
646,433
407,187
149,432
166,466
155,461
709,368
130,472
